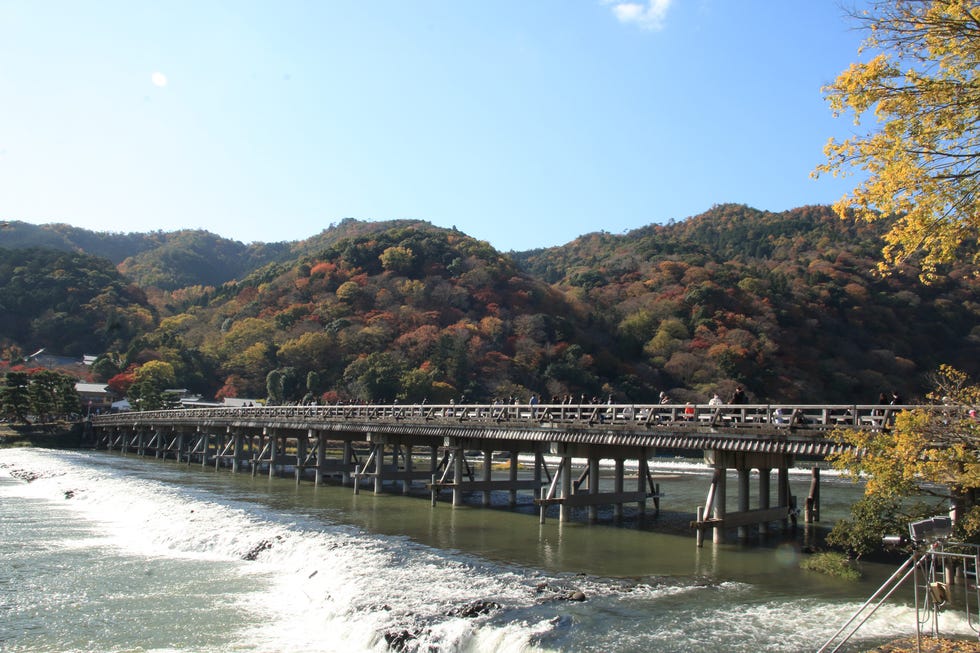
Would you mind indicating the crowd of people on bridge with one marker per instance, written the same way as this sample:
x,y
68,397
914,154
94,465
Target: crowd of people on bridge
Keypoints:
x,y
737,397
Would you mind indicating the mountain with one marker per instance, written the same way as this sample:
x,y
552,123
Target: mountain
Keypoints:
x,y
163,260
787,304
178,259
67,302
406,306
113,246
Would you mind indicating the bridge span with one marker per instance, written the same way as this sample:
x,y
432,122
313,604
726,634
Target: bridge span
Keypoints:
x,y
403,445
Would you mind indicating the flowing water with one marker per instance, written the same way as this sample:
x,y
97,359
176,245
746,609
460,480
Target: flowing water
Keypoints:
x,y
105,552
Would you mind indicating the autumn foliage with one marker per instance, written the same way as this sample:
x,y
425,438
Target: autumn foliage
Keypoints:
x,y
787,304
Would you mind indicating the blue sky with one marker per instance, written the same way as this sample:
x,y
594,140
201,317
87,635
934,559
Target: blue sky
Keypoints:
x,y
525,123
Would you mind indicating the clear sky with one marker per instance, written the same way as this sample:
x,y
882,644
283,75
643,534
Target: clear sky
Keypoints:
x,y
525,123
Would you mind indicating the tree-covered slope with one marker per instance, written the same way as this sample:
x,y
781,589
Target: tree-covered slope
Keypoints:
x,y
165,260
68,303
179,259
785,303
190,258
114,246
410,312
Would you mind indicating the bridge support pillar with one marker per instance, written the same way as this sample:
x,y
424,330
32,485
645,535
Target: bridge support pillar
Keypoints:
x,y
764,476
718,509
593,488
512,476
379,463
321,456
273,452
255,450
433,460
782,490
348,456
236,454
812,512
564,510
642,472
409,468
205,442
302,443
180,446
714,514
618,488
569,494
458,462
487,468
221,445
743,499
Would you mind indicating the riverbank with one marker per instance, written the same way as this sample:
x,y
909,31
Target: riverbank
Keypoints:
x,y
59,435
930,645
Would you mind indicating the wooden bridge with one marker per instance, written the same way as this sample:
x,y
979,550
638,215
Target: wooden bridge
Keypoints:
x,y
382,443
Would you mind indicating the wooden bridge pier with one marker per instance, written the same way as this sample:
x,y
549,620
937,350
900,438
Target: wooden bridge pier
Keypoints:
x,y
391,459
199,445
714,514
255,449
811,512
455,473
238,440
272,449
164,438
173,445
158,443
313,452
569,494
302,444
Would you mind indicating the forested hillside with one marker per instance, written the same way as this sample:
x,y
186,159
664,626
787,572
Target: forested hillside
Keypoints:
x,y
178,259
167,261
113,246
786,304
68,303
409,312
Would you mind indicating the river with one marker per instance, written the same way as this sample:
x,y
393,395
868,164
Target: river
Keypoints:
x,y
106,552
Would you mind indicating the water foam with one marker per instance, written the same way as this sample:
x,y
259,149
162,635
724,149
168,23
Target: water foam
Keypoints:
x,y
323,586
320,586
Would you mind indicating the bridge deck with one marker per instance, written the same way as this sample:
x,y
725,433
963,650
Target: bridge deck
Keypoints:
x,y
789,429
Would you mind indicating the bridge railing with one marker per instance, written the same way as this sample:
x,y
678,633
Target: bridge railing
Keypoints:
x,y
744,416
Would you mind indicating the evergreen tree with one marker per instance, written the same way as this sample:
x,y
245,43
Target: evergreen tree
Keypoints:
x,y
16,399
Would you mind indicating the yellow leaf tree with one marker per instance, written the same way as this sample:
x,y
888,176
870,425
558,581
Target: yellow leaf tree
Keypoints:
x,y
152,378
921,156
923,463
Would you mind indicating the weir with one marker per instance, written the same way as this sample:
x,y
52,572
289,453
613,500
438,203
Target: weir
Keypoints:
x,y
454,448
